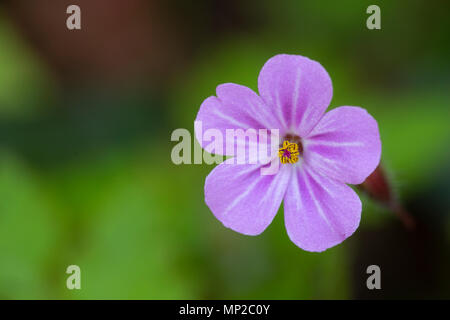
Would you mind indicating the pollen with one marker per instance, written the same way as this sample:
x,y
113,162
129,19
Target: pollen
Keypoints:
x,y
289,152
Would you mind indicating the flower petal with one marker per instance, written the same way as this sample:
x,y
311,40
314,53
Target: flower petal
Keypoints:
x,y
235,107
319,212
243,199
297,88
345,145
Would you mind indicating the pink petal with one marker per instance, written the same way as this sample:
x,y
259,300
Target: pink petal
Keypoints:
x,y
345,145
243,199
319,212
298,89
235,107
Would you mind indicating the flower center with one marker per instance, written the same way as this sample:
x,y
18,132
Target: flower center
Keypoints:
x,y
291,149
289,152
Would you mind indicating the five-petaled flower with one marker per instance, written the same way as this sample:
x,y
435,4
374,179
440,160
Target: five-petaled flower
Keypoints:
x,y
331,149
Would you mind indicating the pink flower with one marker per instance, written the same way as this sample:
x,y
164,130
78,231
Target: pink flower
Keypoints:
x,y
335,148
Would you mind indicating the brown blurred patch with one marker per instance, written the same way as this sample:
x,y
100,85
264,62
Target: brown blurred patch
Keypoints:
x,y
119,39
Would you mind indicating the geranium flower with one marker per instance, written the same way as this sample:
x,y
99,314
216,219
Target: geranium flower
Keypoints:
x,y
331,149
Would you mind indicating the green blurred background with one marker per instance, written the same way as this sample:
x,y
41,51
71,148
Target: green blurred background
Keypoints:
x,y
85,171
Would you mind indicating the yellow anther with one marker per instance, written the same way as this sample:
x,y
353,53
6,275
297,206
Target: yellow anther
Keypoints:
x,y
288,153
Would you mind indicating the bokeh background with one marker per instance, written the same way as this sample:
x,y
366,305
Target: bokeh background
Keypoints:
x,y
85,171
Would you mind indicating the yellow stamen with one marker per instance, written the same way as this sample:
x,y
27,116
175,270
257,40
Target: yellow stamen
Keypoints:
x,y
288,153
